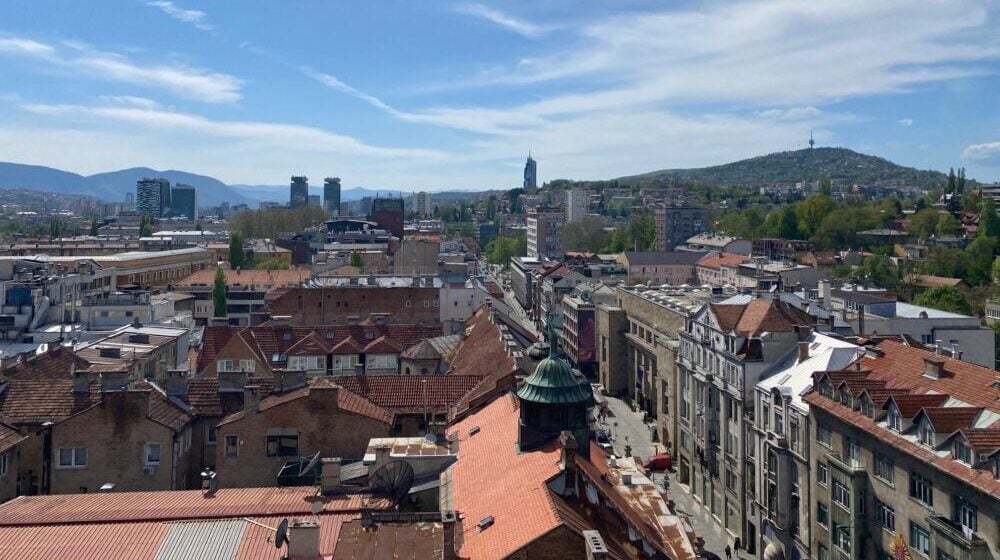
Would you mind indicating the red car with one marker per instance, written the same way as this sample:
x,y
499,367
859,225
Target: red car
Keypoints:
x,y
660,462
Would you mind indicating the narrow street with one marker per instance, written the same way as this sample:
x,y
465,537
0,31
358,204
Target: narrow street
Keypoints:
x,y
626,427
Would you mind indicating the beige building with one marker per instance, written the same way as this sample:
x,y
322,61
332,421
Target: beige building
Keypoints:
x,y
545,234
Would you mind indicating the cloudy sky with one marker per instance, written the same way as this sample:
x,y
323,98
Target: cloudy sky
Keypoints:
x,y
453,94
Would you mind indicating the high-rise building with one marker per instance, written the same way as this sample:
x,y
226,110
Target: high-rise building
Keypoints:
x,y
184,201
331,195
388,213
422,204
299,191
577,204
153,197
545,234
345,209
129,201
314,200
676,224
530,174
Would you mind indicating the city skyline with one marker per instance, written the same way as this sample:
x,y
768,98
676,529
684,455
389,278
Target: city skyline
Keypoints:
x,y
453,95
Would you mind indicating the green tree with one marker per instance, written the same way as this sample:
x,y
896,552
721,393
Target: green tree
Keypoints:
x,y
271,264
952,181
237,254
93,228
585,235
945,298
979,260
357,261
960,181
812,211
878,269
996,271
145,226
947,225
219,293
923,223
989,222
826,187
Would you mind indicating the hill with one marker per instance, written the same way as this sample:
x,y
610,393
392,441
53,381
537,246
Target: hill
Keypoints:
x,y
111,186
840,165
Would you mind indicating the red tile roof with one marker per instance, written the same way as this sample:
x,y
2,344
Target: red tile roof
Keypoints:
x,y
262,278
311,344
321,387
383,345
982,439
348,346
405,393
760,315
482,352
717,261
909,404
952,418
9,437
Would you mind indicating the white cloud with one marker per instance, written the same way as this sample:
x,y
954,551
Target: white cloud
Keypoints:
x,y
987,153
335,84
790,114
510,23
82,60
906,122
194,17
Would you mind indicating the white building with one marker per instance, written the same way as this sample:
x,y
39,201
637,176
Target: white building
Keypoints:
x,y
422,204
545,234
577,204
458,302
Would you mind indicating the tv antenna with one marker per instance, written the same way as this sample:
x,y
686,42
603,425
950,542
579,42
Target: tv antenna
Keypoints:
x,y
812,142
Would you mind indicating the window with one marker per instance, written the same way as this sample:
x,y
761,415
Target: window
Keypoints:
x,y
822,515
224,365
381,361
852,451
4,463
885,515
151,452
793,432
966,515
921,489
866,407
841,494
842,538
926,434
962,452
824,435
210,435
282,446
70,457
232,446
883,467
895,419
779,424
822,473
920,539
824,554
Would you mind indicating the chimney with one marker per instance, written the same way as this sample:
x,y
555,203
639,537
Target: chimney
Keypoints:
x,y
289,380
281,321
112,381
250,399
81,380
596,549
626,479
567,460
176,383
933,368
303,539
329,474
803,351
232,381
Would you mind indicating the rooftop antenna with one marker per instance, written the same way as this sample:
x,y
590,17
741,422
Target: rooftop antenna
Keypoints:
x,y
811,141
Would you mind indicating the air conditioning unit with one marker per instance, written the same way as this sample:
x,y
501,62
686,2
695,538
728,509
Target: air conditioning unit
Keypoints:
x,y
149,470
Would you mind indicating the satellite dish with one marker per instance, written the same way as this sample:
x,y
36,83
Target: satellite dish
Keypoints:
x,y
281,534
391,481
316,507
310,465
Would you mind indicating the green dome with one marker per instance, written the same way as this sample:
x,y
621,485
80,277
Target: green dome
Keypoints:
x,y
554,382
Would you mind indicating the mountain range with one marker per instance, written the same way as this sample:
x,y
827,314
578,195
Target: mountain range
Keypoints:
x,y
841,165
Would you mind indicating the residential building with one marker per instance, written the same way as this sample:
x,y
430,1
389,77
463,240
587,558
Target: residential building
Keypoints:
x,y
719,243
551,283
388,214
545,234
459,301
724,351
779,438
719,269
299,191
522,279
138,352
676,224
577,204
779,249
992,311
579,333
422,204
660,267
530,174
184,202
246,293
331,196
153,197
906,456
10,455
142,269
345,300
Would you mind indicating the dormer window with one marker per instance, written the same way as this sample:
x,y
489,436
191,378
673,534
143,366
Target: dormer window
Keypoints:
x,y
895,419
866,407
962,452
926,434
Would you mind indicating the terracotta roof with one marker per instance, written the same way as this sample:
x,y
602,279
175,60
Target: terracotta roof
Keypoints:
x,y
383,345
482,351
403,541
930,281
311,344
168,505
405,393
910,404
212,340
491,479
982,439
205,399
41,389
348,346
346,401
760,315
717,261
951,418
9,437
423,351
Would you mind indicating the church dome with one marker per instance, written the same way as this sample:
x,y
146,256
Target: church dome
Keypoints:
x,y
554,382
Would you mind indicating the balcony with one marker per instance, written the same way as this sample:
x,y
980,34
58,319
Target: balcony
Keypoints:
x,y
952,532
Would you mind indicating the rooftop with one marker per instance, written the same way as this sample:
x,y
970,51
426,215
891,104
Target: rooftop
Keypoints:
x,y
653,258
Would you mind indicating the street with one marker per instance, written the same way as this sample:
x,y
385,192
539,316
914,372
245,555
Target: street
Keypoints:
x,y
626,427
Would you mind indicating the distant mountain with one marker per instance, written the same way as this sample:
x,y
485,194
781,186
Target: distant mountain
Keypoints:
x,y
112,186
841,165
279,193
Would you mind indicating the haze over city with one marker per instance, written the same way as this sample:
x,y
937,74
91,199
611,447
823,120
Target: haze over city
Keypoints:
x,y
442,95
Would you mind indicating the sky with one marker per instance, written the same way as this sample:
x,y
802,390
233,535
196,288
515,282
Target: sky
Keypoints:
x,y
453,95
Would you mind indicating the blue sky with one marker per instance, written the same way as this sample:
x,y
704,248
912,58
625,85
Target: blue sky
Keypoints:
x,y
441,95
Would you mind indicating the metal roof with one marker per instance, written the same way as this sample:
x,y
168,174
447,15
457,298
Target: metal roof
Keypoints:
x,y
207,540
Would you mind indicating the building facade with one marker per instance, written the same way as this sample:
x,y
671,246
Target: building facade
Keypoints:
x,y
298,191
577,204
530,174
331,195
676,224
422,204
153,197
184,202
545,234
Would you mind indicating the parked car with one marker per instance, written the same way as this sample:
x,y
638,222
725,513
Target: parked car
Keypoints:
x,y
660,462
603,439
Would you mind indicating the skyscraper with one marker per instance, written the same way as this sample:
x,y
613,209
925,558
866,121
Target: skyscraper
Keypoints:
x,y
315,201
422,204
184,200
153,197
388,212
299,191
530,174
331,195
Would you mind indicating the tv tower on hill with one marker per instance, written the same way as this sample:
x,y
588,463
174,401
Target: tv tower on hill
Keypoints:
x,y
811,141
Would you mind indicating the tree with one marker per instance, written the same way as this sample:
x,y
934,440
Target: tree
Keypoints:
x,y
878,269
826,187
952,181
93,228
923,223
357,261
947,225
996,271
145,226
945,298
237,255
812,211
271,264
585,235
989,222
219,293
979,260
960,181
